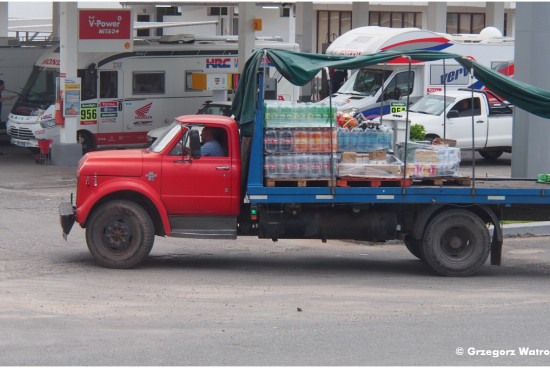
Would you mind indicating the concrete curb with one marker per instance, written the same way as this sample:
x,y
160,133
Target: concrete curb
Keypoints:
x,y
526,229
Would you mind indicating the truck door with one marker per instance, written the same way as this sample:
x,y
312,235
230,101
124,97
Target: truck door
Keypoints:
x,y
459,123
197,187
110,112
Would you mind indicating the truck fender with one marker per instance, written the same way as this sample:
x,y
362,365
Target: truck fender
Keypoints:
x,y
486,213
109,189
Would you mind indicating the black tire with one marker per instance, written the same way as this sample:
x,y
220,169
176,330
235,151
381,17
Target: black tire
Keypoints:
x,y
491,154
456,243
415,247
86,141
120,234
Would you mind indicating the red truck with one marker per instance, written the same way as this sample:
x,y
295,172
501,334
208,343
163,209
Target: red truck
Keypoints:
x,y
126,198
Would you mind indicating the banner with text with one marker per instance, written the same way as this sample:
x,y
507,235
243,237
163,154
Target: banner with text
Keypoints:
x,y
105,30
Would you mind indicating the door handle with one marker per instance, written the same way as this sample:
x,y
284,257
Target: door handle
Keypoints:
x,y
222,168
480,121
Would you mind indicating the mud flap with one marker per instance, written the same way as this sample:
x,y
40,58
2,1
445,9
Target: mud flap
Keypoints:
x,y
496,245
67,217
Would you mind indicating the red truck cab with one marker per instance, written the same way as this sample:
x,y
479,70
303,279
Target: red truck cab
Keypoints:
x,y
125,198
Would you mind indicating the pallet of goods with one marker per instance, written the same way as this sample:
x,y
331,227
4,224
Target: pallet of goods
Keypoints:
x,y
434,164
303,147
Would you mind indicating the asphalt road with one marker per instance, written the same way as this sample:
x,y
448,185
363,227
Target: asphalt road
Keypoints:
x,y
251,301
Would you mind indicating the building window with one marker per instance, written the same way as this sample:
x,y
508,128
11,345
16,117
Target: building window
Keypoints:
x,y
143,32
217,10
330,25
395,19
148,83
465,22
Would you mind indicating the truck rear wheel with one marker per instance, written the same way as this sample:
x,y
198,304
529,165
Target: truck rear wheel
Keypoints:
x,y
120,234
456,243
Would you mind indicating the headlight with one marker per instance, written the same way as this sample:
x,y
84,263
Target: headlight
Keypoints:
x,y
47,123
37,112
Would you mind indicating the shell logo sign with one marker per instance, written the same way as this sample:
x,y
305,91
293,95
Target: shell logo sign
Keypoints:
x,y
104,30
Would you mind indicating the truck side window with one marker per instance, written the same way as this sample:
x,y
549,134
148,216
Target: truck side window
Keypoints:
x,y
464,107
399,86
108,84
89,83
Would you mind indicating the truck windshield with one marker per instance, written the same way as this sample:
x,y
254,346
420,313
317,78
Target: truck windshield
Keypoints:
x,y
431,104
365,82
38,92
165,138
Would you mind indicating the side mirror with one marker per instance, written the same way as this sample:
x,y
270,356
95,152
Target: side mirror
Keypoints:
x,y
452,114
195,144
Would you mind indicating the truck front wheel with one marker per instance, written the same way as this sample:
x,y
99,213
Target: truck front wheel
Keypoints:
x,y
456,243
120,234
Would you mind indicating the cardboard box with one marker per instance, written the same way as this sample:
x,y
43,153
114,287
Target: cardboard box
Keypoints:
x,y
377,156
389,168
349,157
444,142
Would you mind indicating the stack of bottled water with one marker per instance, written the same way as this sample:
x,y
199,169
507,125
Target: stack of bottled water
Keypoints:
x,y
365,138
290,114
303,165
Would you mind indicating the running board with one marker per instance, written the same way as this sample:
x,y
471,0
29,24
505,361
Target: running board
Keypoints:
x,y
204,227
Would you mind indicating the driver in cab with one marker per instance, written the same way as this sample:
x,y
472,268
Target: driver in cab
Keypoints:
x,y
210,146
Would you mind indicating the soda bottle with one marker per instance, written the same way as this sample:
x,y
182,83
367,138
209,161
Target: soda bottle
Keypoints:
x,y
325,166
270,167
325,140
284,167
286,141
315,166
354,139
372,138
363,143
268,113
314,140
271,141
300,140
303,162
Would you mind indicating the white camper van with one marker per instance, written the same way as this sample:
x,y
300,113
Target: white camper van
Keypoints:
x,y
363,91
125,95
16,64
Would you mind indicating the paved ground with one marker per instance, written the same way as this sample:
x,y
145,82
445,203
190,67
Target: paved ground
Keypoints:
x,y
250,301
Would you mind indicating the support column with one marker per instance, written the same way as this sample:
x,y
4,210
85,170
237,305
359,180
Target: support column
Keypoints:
x,y
247,36
359,14
68,152
436,17
55,20
495,15
305,37
531,152
4,23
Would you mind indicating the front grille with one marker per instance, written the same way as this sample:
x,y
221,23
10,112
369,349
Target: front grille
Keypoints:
x,y
20,133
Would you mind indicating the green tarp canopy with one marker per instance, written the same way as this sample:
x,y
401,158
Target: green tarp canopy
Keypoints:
x,y
299,68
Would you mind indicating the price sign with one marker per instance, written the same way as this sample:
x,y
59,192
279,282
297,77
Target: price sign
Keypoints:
x,y
88,114
397,106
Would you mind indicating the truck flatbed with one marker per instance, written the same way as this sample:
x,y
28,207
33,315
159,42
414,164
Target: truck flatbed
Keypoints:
x,y
483,191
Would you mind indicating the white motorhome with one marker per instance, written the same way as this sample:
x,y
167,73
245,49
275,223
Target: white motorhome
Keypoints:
x,y
16,64
363,91
125,95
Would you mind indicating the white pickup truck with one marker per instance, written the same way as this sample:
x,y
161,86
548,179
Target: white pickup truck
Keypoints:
x,y
492,119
